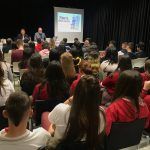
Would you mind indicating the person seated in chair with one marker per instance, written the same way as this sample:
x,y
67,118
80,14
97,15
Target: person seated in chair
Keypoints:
x,y
146,75
17,136
127,105
140,50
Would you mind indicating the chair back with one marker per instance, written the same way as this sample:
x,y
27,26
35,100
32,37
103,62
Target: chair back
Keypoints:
x,y
3,121
43,106
125,134
139,62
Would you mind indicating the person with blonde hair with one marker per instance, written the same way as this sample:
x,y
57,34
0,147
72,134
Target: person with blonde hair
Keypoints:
x,y
68,67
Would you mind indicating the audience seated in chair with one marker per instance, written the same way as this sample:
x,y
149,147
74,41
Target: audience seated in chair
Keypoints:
x,y
127,105
16,136
6,87
109,82
33,75
80,118
146,74
6,68
54,85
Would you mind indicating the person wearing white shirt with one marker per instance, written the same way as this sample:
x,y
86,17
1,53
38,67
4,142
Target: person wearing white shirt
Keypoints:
x,y
17,136
81,117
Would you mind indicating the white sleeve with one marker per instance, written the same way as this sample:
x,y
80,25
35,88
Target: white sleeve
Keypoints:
x,y
58,113
11,87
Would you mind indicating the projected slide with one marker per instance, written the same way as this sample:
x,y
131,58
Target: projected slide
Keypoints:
x,y
69,22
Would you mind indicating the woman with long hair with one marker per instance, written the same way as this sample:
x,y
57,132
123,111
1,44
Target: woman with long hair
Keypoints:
x,y
83,120
54,85
109,82
33,75
127,104
6,87
66,60
6,68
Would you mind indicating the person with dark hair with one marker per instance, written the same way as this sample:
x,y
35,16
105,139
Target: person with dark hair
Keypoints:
x,y
8,46
123,50
14,45
109,82
111,45
140,50
54,85
38,46
6,87
17,54
146,75
23,36
24,63
82,119
127,105
61,49
18,111
33,75
110,65
54,55
45,50
6,68
130,48
32,46
84,69
76,40
40,35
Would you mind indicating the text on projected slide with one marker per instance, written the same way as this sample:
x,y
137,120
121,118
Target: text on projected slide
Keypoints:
x,y
68,22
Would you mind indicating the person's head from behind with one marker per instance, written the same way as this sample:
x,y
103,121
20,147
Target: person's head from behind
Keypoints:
x,y
18,109
9,41
113,55
39,41
40,30
22,31
52,43
124,63
130,47
26,45
111,44
56,78
65,40
19,43
85,68
129,86
61,49
147,67
14,45
66,60
84,117
54,55
35,61
32,46
140,46
124,45
76,40
27,53
45,45
74,52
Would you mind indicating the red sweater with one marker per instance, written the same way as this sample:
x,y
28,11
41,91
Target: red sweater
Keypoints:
x,y
122,110
38,47
145,77
110,82
146,97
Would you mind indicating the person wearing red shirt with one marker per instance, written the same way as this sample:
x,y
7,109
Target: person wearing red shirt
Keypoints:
x,y
38,47
17,54
109,82
146,74
84,69
54,85
127,105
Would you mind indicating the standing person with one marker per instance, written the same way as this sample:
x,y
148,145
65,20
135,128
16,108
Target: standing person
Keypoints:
x,y
23,36
18,110
40,35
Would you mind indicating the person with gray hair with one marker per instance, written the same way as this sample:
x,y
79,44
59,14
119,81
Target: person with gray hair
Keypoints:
x,y
40,35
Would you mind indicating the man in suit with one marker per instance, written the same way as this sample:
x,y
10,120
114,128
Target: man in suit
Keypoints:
x,y
23,36
40,35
